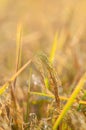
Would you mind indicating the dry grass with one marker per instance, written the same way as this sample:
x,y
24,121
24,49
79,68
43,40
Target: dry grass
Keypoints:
x,y
47,70
47,89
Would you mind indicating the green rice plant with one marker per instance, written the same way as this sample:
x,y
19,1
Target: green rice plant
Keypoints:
x,y
70,101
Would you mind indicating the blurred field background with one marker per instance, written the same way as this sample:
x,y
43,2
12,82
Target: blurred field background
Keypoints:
x,y
41,20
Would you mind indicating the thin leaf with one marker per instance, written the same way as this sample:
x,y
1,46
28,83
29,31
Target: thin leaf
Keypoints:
x,y
6,85
18,50
70,101
52,96
54,47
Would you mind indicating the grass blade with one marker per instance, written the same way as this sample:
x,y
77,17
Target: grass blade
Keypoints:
x,y
52,96
28,103
54,47
5,86
18,50
70,101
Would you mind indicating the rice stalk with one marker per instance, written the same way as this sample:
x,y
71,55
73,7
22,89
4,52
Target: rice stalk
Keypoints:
x,y
18,49
13,85
52,96
53,76
29,84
